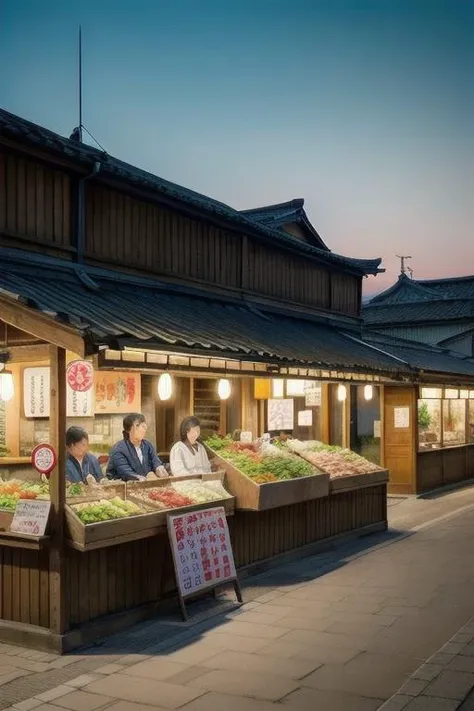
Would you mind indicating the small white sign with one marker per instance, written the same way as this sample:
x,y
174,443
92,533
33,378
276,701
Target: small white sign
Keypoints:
x,y
280,415
36,396
313,396
401,417
305,418
202,551
31,517
377,429
246,437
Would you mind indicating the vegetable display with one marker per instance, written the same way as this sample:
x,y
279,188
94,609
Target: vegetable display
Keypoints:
x,y
163,498
261,461
200,492
96,511
13,491
336,461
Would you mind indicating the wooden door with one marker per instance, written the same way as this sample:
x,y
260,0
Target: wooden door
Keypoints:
x,y
399,438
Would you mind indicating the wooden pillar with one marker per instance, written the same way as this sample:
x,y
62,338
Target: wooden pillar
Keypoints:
x,y
325,413
57,484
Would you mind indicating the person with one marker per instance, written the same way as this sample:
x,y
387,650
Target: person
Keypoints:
x,y
80,463
188,456
134,457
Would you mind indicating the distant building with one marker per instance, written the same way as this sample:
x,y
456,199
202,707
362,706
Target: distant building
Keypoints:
x,y
435,311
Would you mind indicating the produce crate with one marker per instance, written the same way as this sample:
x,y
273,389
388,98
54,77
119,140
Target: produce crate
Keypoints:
x,y
107,491
6,518
358,481
250,496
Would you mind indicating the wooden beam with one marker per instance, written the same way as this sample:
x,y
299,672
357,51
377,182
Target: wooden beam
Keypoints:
x,y
57,485
29,354
42,326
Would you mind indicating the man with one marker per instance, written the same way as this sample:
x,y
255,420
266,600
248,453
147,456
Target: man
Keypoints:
x,y
80,463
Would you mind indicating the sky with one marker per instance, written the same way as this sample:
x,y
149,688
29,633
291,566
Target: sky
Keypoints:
x,y
365,108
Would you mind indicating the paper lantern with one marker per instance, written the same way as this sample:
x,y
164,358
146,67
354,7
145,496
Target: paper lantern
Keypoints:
x,y
224,388
165,386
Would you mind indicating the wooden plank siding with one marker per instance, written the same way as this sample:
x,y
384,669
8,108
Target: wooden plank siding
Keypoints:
x,y
24,586
35,201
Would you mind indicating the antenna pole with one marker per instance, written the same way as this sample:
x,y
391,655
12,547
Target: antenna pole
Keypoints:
x,y
402,258
80,84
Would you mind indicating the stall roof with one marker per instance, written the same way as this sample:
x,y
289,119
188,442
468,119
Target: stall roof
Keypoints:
x,y
19,129
115,309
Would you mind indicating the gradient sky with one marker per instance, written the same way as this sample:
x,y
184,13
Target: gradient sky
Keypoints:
x,y
363,107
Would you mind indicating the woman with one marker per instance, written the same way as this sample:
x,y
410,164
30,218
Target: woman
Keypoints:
x,y
79,463
134,457
188,456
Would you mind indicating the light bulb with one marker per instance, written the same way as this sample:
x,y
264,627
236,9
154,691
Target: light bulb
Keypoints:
x,y
7,387
165,386
368,392
224,388
341,393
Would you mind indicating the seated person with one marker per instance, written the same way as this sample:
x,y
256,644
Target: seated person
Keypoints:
x,y
188,456
79,463
134,457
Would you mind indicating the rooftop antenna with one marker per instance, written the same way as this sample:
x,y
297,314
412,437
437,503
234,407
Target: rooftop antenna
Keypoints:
x,y
80,84
410,272
402,258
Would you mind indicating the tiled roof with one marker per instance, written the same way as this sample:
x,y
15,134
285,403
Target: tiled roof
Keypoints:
x,y
27,132
282,214
111,308
407,290
390,314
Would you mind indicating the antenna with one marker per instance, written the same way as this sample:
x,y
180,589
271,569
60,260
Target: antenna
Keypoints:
x,y
402,258
80,84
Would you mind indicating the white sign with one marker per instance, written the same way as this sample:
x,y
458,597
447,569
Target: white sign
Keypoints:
x,y
305,418
36,384
313,396
31,517
79,404
202,551
280,415
246,437
377,429
401,417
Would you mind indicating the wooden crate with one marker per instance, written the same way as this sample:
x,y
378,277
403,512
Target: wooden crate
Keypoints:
x,y
93,493
358,481
250,496
6,518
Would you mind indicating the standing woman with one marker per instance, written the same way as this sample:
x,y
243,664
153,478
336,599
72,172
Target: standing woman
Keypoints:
x,y
188,456
134,457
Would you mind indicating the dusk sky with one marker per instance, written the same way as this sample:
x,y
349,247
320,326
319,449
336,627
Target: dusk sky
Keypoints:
x,y
363,107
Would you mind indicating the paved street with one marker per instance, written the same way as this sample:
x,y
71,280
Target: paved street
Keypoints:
x,y
340,631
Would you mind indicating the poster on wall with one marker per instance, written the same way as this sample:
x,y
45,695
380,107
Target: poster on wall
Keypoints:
x,y
36,386
305,418
312,396
280,414
117,393
401,417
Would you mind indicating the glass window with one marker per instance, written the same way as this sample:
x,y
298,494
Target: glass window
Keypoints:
x,y
470,422
454,422
429,424
431,393
365,422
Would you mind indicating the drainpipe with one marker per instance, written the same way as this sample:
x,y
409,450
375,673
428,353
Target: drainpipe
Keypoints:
x,y
81,212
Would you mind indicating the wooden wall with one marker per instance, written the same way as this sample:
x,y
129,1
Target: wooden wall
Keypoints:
x,y
37,205
24,586
442,467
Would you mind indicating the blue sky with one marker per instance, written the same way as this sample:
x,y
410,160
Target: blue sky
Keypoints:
x,y
363,107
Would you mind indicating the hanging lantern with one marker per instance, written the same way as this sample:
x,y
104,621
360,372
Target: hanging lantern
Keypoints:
x,y
368,392
165,386
341,393
278,387
224,388
7,388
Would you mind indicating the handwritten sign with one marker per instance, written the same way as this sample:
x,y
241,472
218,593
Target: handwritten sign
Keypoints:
x,y
312,396
305,418
43,458
31,517
246,437
202,551
36,384
280,414
377,429
117,393
401,417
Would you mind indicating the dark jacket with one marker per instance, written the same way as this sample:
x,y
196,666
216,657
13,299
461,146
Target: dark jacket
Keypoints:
x,y
124,462
77,474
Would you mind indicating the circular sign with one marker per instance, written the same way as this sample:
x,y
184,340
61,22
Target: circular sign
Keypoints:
x,y
43,458
80,375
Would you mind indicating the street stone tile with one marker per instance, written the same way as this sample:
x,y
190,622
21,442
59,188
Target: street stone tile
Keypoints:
x,y
427,703
309,699
259,686
82,680
187,675
221,702
338,676
130,706
315,653
462,664
27,705
453,648
380,664
269,596
427,672
261,664
128,688
83,701
54,693
318,623
158,669
396,703
413,687
244,629
451,685
110,669
22,663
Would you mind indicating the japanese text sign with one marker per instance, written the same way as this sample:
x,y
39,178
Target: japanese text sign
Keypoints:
x,y
31,517
202,550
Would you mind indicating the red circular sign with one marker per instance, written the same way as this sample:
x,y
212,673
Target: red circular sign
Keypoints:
x,y
80,375
44,458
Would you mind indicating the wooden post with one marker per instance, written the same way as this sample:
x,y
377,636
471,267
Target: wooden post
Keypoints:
x,y
325,414
57,484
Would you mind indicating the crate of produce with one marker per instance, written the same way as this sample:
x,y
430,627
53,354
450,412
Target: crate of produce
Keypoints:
x,y
15,490
261,476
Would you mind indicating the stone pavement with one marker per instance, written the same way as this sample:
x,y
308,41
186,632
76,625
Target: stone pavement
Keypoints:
x,y
340,631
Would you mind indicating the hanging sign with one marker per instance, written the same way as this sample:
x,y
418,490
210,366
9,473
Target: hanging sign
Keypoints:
x,y
80,375
44,458
280,414
31,517
202,551
117,393
36,385
401,417
305,418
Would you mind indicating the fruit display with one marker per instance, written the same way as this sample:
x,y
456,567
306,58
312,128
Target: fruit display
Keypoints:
x,y
15,490
336,461
261,461
105,510
164,497
200,492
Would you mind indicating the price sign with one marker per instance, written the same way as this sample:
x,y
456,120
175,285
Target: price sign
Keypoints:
x,y
31,517
44,458
202,551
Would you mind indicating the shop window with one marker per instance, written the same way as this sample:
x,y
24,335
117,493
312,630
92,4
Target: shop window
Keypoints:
x,y
365,422
429,424
454,422
470,422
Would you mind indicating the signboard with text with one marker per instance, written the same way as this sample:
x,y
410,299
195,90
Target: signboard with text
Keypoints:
x,y
36,385
31,517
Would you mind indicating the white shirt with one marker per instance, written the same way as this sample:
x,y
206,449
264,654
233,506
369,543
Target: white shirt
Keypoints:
x,y
139,454
183,462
